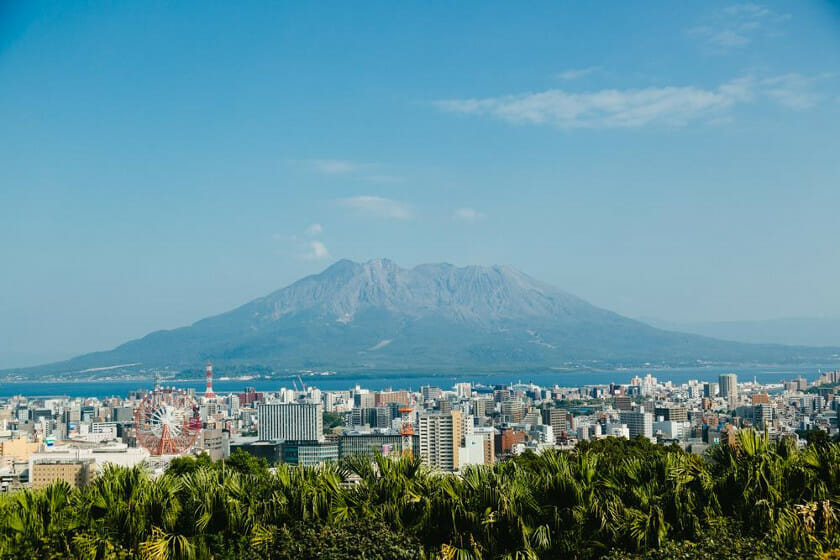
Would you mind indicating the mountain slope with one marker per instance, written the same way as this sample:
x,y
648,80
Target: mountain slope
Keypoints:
x,y
378,315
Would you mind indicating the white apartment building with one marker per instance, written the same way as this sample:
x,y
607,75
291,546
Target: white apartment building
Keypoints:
x,y
292,421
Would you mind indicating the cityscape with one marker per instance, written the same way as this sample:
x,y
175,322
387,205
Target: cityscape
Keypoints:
x,y
419,280
449,429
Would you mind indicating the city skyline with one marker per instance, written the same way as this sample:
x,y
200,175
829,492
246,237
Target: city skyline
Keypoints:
x,y
675,163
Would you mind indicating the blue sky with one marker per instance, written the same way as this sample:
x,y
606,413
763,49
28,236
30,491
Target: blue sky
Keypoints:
x,y
160,163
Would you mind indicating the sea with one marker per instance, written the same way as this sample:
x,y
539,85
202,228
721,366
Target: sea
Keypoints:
x,y
379,380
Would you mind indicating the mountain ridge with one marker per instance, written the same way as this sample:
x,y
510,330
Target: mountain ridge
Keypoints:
x,y
378,315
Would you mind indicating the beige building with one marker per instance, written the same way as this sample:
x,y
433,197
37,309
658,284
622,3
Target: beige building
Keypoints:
x,y
17,448
76,473
78,463
215,442
440,440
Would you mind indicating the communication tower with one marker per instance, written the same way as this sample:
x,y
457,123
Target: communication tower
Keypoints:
x,y
208,375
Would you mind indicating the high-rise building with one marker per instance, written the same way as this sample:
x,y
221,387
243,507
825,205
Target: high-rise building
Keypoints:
x,y
440,439
293,421
363,400
480,407
557,419
762,415
122,414
513,410
430,393
671,413
501,394
728,385
463,390
639,422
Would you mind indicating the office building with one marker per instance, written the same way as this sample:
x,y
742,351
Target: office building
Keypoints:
x,y
557,418
762,415
363,399
638,422
271,451
372,444
430,393
307,453
728,385
513,410
463,390
671,413
482,407
76,473
293,421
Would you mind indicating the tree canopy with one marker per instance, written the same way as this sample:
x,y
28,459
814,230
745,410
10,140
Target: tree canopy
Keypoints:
x,y
611,498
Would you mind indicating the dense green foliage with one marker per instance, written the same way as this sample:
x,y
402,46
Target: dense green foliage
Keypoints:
x,y
611,498
332,420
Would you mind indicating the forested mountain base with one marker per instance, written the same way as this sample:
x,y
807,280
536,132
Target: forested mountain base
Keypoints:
x,y
613,499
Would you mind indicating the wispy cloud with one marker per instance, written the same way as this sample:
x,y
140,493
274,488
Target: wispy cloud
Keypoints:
x,y
337,166
616,108
302,248
609,108
737,26
576,73
794,90
377,206
468,215
369,172
317,251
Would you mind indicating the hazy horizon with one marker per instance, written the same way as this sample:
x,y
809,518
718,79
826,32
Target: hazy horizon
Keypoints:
x,y
161,164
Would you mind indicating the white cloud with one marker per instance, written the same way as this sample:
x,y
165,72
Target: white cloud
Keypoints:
x,y
736,26
575,73
377,206
302,248
614,108
336,166
317,251
468,215
793,90
607,108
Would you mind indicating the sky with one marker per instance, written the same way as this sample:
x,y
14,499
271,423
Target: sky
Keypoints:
x,y
162,162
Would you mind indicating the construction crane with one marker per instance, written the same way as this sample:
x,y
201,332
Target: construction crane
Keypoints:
x,y
302,384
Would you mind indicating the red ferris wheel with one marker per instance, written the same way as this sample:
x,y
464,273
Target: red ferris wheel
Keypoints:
x,y
167,421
